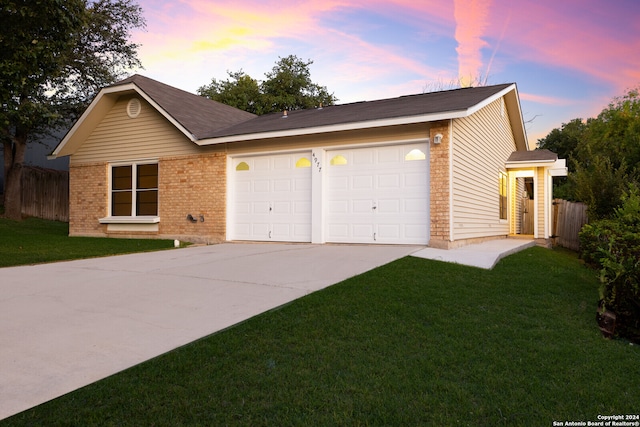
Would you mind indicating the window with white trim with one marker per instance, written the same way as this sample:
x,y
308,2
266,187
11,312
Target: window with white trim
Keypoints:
x,y
134,190
503,195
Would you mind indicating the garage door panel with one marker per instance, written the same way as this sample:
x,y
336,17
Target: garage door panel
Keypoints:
x,y
272,198
362,231
389,155
363,182
362,157
337,183
389,192
415,180
301,208
260,207
261,186
388,231
415,206
389,206
389,181
302,184
361,206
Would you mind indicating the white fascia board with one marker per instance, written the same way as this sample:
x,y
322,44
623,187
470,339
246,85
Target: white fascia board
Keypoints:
x,y
76,125
336,128
490,99
523,165
559,168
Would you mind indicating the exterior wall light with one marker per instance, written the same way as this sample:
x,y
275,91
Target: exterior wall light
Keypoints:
x,y
437,139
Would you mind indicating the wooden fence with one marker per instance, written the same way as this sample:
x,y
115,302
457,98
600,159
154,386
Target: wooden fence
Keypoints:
x,y
569,217
45,193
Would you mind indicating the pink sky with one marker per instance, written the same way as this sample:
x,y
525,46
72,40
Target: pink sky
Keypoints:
x,y
568,57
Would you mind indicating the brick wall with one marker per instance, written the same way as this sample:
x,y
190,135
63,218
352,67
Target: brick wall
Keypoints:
x,y
87,199
193,185
440,186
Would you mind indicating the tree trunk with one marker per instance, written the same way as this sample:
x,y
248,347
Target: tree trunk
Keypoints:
x,y
15,152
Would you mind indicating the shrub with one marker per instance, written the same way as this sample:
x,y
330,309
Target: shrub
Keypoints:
x,y
613,246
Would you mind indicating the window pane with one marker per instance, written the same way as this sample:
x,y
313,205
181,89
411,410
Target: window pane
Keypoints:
x,y
121,177
147,176
303,162
121,203
338,160
147,202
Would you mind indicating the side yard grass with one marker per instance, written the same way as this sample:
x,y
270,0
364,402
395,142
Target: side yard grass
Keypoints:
x,y
415,342
34,241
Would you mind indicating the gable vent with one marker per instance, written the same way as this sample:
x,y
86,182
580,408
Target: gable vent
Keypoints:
x,y
134,107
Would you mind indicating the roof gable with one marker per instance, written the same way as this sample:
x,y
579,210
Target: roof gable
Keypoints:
x,y
200,116
193,115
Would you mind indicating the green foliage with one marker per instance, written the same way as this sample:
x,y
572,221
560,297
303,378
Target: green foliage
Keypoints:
x,y
55,55
287,87
603,154
240,91
565,140
35,241
613,246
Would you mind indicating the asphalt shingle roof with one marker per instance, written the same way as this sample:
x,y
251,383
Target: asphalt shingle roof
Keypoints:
x,y
205,118
404,106
538,155
199,115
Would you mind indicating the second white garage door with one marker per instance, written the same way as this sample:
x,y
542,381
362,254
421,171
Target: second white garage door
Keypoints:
x,y
378,195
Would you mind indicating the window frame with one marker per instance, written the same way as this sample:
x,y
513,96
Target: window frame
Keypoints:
x,y
503,196
133,217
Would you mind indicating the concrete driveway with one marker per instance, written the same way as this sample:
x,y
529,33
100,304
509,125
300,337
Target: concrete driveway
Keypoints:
x,y
68,324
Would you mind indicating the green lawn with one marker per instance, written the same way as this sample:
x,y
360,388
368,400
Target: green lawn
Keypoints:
x,y
34,241
415,342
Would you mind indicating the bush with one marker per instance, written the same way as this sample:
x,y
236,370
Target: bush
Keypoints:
x,y
613,246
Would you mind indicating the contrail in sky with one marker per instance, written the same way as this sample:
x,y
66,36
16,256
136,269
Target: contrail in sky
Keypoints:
x,y
471,18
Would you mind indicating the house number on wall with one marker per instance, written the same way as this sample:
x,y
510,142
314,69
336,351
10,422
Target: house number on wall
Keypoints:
x,y
316,162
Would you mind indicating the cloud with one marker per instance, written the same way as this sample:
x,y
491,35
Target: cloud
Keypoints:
x,y
546,100
472,19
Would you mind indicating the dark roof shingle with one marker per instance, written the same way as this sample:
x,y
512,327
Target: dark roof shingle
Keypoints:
x,y
199,115
206,119
404,106
538,155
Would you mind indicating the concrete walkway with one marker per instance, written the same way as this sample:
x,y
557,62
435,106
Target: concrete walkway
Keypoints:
x,y
482,255
68,324
65,325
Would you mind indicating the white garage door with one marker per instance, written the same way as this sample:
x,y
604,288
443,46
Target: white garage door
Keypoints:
x,y
378,195
272,198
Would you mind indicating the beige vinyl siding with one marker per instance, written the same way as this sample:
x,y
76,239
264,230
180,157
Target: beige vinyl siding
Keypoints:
x,y
121,138
481,145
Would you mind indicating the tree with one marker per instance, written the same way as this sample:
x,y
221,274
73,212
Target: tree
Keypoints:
x,y
603,153
241,91
55,55
288,86
566,139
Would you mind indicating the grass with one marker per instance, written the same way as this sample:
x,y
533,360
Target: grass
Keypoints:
x,y
415,342
34,241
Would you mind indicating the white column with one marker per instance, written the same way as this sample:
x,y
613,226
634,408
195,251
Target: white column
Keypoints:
x,y
317,195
